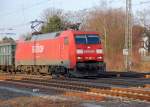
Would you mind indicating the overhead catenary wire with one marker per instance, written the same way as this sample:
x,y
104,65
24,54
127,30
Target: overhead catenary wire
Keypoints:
x,y
11,30
23,12
20,10
15,26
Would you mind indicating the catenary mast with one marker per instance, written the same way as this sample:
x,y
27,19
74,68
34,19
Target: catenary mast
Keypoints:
x,y
128,35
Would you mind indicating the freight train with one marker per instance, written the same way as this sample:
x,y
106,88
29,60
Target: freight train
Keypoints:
x,y
68,53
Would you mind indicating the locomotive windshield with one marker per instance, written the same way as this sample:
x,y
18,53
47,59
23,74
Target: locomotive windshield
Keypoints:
x,y
87,39
80,39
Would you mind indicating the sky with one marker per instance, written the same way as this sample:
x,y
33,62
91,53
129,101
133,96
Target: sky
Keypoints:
x,y
17,14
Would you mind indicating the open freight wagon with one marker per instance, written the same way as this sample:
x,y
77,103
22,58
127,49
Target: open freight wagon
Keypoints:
x,y
7,56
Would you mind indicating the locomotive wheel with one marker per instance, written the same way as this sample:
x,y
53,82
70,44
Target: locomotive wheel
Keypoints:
x,y
104,68
68,74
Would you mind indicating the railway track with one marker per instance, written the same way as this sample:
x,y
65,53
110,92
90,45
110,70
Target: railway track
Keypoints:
x,y
124,82
73,87
128,82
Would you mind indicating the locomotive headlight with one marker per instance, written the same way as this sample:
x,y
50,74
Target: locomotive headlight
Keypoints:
x,y
99,51
79,58
100,57
79,51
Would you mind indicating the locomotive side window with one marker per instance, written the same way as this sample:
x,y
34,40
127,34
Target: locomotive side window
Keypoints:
x,y
87,39
66,41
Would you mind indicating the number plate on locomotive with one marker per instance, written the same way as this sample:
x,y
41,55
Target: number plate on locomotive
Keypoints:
x,y
89,51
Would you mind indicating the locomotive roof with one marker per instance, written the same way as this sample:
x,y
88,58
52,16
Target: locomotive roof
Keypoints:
x,y
83,32
46,36
56,34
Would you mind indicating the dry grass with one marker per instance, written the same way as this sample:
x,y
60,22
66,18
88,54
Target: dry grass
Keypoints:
x,y
36,102
116,63
85,96
142,67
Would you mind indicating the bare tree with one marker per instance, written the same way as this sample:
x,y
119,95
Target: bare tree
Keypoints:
x,y
143,18
51,12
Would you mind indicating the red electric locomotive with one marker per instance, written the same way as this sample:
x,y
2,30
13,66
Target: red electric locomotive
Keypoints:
x,y
69,53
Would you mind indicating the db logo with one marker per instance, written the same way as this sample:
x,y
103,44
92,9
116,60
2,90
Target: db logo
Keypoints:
x,y
38,48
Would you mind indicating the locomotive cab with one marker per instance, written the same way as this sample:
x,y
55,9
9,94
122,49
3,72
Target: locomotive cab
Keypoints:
x,y
89,54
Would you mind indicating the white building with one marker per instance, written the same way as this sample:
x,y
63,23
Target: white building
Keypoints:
x,y
144,49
